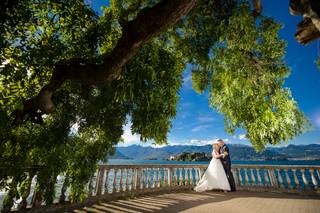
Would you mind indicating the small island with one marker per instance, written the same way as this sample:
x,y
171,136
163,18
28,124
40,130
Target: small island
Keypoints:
x,y
194,156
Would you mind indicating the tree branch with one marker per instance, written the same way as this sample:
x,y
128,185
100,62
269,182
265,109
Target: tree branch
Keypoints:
x,y
257,7
308,29
149,23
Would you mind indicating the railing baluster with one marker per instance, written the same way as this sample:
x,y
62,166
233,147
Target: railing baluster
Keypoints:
x,y
314,180
163,177
234,173
144,181
274,181
26,193
267,184
186,176
239,178
282,188
246,179
170,175
296,180
121,180
180,177
286,171
196,176
134,179
253,179
159,177
318,173
149,178
192,177
37,198
139,174
260,186
304,178
175,176
127,180
90,186
106,183
63,189
114,188
154,178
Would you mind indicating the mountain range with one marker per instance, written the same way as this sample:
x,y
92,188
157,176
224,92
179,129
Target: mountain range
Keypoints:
x,y
237,152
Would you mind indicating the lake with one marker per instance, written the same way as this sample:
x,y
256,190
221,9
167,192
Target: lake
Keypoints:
x,y
132,162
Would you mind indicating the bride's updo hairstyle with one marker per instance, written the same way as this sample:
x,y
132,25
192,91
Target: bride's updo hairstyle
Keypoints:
x,y
215,146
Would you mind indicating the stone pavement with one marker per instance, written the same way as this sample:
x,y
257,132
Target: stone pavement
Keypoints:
x,y
213,202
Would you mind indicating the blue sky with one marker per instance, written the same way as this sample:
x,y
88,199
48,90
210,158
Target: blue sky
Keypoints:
x,y
196,123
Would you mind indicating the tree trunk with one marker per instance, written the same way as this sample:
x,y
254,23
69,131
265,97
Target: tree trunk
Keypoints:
x,y
149,23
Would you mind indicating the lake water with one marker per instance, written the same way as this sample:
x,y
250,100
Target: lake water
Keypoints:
x,y
146,162
132,162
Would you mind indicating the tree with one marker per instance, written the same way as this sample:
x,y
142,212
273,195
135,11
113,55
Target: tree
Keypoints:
x,y
70,78
308,29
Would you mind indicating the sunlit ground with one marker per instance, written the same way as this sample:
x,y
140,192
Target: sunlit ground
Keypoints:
x,y
215,202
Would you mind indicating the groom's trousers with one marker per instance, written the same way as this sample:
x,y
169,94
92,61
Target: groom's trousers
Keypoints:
x,y
227,169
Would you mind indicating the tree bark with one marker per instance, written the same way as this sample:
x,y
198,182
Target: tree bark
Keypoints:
x,y
257,8
149,23
308,29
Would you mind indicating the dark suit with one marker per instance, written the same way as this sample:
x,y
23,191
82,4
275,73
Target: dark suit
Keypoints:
x,y
226,162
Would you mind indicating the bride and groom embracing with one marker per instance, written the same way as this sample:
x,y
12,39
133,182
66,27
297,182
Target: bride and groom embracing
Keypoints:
x,y
218,174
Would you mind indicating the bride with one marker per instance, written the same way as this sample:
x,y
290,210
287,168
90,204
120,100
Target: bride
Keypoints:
x,y
215,176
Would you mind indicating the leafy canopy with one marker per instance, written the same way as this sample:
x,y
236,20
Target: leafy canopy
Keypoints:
x,y
238,58
245,77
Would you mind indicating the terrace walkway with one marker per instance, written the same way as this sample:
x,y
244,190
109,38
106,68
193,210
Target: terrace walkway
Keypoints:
x,y
213,202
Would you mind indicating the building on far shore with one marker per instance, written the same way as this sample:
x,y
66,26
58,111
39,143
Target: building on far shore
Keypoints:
x,y
172,157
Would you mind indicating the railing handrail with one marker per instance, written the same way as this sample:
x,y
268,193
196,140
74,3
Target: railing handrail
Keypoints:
x,y
276,166
249,166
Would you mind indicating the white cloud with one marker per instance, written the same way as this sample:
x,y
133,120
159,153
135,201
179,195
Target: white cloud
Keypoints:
x,y
187,81
317,120
200,128
159,145
128,137
205,119
314,118
201,142
242,137
197,142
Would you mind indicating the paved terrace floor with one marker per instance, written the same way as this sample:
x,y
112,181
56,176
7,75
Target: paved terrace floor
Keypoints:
x,y
213,202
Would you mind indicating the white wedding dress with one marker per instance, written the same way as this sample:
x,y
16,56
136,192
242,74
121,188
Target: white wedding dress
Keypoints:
x,y
214,177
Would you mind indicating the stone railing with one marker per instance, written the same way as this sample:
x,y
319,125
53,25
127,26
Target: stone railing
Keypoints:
x,y
284,178
116,181
113,179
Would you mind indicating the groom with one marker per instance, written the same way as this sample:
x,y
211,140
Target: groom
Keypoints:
x,y
226,162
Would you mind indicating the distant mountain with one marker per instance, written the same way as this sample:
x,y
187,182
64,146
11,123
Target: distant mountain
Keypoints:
x,y
237,151
118,155
300,151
